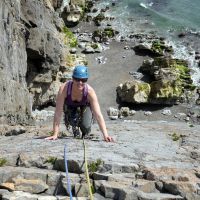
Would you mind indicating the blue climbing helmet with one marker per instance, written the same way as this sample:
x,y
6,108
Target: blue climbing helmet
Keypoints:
x,y
80,71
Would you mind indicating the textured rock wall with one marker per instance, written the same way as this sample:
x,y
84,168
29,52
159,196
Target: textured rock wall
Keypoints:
x,y
14,97
44,49
33,52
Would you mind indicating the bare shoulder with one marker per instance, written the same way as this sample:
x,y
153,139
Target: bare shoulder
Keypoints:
x,y
63,86
90,90
63,89
91,94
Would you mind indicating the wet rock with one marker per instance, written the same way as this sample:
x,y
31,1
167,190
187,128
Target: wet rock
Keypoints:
x,y
89,49
73,50
148,113
101,60
103,35
183,34
98,19
113,113
166,112
124,111
11,130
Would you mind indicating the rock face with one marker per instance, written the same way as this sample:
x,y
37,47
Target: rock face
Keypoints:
x,y
15,99
33,53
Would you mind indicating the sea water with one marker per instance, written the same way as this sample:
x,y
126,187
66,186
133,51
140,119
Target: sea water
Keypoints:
x,y
166,18
160,15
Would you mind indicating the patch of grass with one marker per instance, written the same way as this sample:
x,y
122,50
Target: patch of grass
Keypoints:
x,y
63,134
94,46
175,136
93,166
50,160
70,37
70,59
3,161
50,133
191,125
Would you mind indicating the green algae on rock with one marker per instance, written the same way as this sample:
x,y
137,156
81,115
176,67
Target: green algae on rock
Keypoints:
x,y
102,34
158,47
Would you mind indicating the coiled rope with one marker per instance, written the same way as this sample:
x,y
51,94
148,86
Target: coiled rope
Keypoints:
x,y
67,174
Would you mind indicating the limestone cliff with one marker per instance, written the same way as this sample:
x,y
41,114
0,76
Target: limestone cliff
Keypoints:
x,y
32,56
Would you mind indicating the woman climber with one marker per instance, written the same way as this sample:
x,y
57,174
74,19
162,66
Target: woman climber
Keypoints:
x,y
79,102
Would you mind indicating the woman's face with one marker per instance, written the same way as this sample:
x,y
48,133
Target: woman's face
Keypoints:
x,y
79,82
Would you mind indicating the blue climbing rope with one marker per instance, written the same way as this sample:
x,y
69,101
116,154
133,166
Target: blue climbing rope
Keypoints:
x,y
67,175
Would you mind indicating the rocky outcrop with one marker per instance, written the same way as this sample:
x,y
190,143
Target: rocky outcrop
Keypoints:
x,y
169,82
74,10
155,48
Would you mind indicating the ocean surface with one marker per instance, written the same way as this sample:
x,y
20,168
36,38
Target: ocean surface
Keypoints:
x,y
166,18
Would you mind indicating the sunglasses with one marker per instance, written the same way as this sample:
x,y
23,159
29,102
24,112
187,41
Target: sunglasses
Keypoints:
x,y
83,80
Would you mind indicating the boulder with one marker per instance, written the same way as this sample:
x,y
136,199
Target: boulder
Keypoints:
x,y
133,92
155,49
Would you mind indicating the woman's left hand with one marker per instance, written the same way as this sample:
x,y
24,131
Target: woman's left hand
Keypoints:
x,y
108,139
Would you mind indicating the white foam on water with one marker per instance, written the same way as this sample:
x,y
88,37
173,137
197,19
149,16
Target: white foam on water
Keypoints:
x,y
182,52
143,5
150,4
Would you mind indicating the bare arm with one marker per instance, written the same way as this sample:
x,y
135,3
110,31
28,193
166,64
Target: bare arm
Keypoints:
x,y
98,115
58,112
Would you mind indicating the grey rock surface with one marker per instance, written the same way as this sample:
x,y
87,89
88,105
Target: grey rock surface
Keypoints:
x,y
146,159
137,142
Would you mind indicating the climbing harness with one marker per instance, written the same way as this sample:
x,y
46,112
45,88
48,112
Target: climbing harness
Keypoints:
x,y
72,118
86,171
67,175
